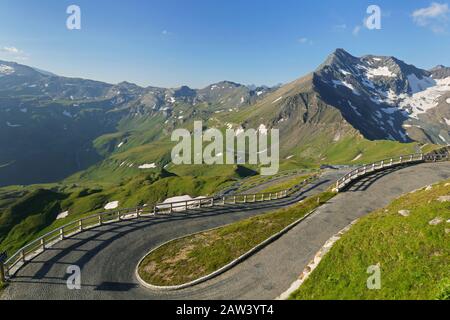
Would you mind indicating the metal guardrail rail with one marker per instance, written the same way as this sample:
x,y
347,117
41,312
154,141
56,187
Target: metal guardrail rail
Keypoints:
x,y
411,159
41,244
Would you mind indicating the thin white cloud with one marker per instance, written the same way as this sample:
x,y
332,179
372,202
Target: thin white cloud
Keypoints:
x,y
435,17
13,53
11,50
356,30
305,40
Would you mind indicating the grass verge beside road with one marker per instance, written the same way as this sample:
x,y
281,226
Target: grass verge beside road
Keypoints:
x,y
409,240
188,259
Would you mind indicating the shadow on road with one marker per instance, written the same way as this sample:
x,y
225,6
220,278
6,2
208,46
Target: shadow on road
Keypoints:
x,y
105,235
366,182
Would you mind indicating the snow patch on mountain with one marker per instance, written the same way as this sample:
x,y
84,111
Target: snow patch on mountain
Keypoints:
x,y
62,215
380,72
67,114
148,166
337,83
181,203
354,108
171,100
9,124
422,101
426,94
112,205
417,85
6,70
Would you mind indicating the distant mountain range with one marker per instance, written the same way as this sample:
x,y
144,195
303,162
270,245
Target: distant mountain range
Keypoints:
x,y
52,126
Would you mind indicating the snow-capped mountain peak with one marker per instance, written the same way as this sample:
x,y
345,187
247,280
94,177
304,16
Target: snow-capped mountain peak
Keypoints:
x,y
385,93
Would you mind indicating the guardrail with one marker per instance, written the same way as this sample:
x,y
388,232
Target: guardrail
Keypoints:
x,y
356,174
364,170
36,247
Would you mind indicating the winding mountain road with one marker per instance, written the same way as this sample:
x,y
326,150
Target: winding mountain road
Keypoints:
x,y
108,255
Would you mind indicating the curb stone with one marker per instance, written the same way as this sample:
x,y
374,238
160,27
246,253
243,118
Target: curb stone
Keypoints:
x,y
221,270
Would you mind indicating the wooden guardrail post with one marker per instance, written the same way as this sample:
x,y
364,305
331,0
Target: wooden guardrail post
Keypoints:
x,y
43,244
2,273
80,225
61,234
22,256
3,257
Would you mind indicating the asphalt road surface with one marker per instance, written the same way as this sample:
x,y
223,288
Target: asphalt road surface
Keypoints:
x,y
108,255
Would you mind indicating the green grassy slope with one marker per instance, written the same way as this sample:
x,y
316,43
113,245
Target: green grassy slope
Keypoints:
x,y
33,212
414,255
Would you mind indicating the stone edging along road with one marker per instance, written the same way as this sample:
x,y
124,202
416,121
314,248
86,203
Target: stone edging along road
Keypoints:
x,y
315,262
224,268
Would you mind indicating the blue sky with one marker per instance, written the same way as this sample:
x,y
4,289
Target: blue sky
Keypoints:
x,y
197,42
